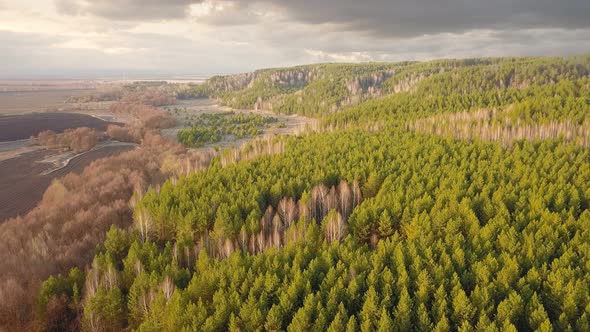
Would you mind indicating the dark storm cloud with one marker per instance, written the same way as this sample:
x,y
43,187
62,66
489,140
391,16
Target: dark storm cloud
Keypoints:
x,y
382,18
403,18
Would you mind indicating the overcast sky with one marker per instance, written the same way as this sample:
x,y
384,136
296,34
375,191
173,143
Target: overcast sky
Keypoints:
x,y
117,38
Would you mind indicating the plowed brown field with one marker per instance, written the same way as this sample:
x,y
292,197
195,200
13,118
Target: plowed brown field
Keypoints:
x,y
22,185
17,127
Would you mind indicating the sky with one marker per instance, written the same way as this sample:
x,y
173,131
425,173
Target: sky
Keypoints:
x,y
187,38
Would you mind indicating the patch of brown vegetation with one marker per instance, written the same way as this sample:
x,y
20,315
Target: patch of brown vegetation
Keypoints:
x,y
125,134
153,96
110,93
149,116
23,179
493,125
77,140
71,219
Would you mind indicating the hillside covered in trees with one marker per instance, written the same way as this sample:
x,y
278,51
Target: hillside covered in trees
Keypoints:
x,y
449,195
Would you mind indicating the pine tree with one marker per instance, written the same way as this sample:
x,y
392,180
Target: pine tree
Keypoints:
x,y
372,185
351,325
235,324
510,309
274,319
304,317
370,312
508,327
440,304
462,309
583,323
250,315
424,323
424,288
104,311
536,313
403,312
465,327
385,323
338,324
116,242
386,226
320,323
484,323
442,325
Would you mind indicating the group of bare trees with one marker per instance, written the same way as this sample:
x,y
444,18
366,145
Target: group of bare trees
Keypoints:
x,y
77,210
72,218
129,134
84,139
77,140
329,207
149,116
251,150
160,95
494,125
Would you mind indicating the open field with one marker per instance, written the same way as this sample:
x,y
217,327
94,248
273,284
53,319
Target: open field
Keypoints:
x,y
18,127
23,97
20,85
34,101
23,180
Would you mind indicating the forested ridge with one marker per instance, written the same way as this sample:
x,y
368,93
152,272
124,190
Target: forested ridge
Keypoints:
x,y
445,195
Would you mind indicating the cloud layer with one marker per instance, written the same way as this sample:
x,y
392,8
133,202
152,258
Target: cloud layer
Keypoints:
x,y
390,18
210,36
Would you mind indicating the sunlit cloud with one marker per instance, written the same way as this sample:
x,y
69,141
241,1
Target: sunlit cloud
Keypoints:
x,y
207,8
83,44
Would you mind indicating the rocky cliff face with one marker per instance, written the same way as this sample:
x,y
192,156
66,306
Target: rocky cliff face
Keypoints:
x,y
408,83
280,78
365,87
232,83
341,86
294,78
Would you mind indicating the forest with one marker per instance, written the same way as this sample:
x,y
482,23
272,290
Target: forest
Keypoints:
x,y
450,195
212,128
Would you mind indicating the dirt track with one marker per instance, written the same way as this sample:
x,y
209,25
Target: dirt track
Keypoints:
x,y
17,127
23,185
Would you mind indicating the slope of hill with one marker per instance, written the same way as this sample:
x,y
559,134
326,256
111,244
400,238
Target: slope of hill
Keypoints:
x,y
316,90
397,215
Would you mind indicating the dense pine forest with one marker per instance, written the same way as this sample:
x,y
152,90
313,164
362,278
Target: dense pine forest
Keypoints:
x,y
449,195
